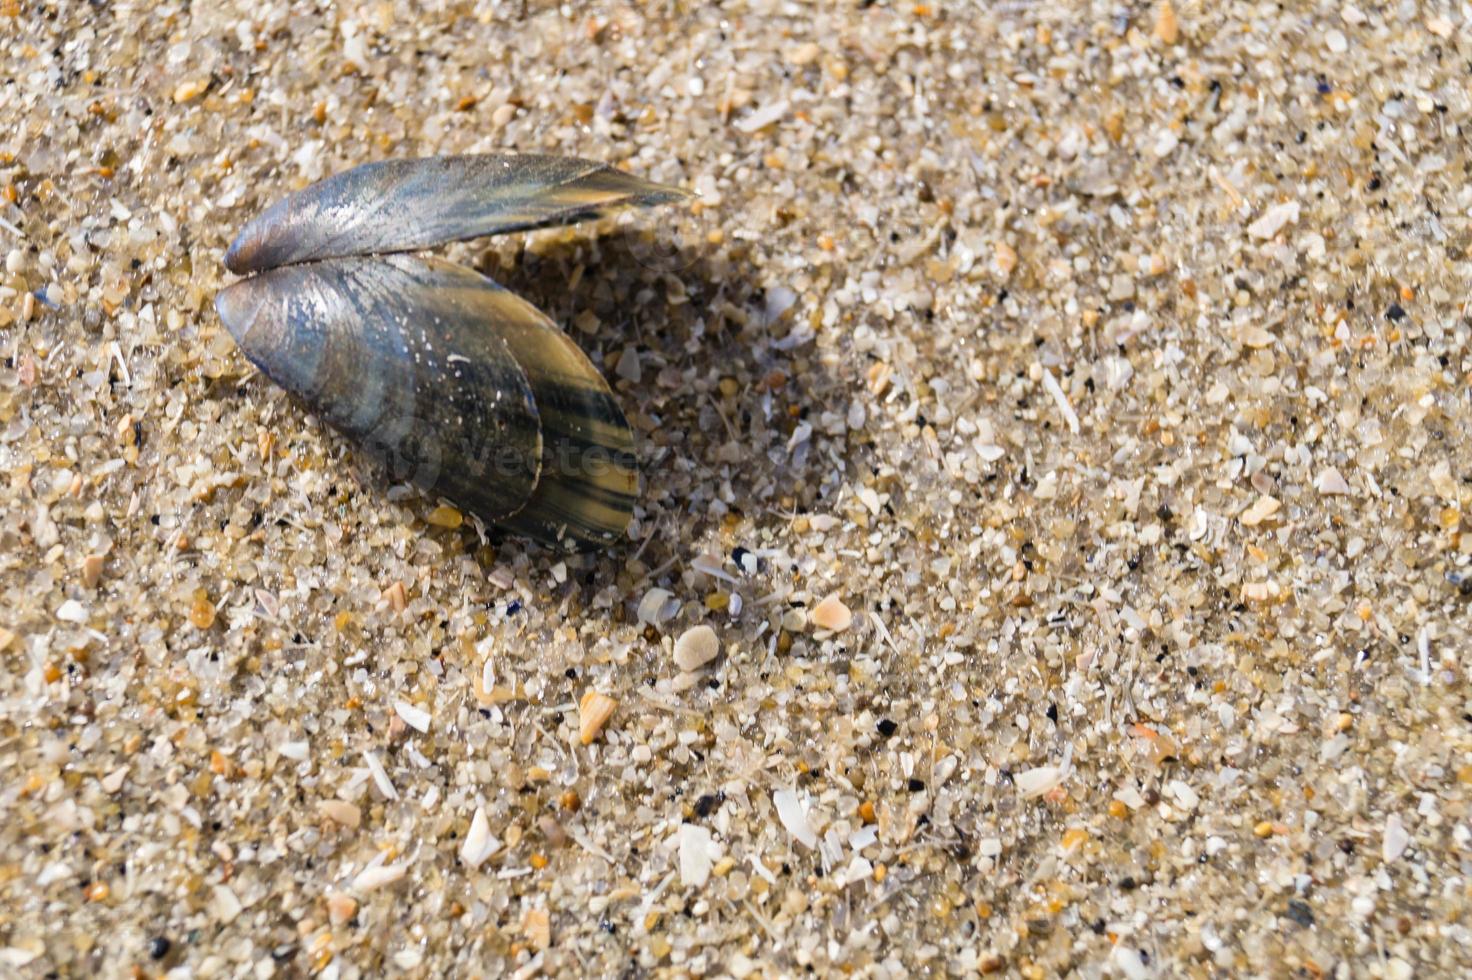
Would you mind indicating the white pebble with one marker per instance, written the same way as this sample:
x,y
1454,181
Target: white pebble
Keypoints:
x,y
696,855
764,116
1184,794
71,611
1396,839
1129,963
225,905
696,647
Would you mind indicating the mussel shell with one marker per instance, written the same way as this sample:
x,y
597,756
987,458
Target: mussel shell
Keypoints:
x,y
590,479
450,380
407,205
401,355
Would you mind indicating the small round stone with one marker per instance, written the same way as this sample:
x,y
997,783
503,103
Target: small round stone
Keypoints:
x,y
696,647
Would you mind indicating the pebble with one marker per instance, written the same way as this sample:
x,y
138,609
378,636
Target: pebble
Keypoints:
x,y
1395,840
697,854
1260,510
803,54
225,904
340,812
657,606
341,908
832,615
190,90
628,366
445,516
696,647
536,926
71,611
1330,481
1167,29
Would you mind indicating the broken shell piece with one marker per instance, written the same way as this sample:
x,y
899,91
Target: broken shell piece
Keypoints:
x,y
657,606
340,812
479,844
372,879
341,908
536,925
1035,782
1261,509
414,716
594,710
832,614
794,817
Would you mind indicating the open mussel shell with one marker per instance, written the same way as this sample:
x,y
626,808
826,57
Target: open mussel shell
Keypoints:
x,y
407,205
449,380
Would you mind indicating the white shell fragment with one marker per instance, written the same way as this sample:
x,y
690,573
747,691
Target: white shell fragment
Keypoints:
x,y
479,844
380,876
1035,782
1330,481
1396,840
340,812
415,717
1274,220
696,647
1260,510
380,776
657,606
697,853
794,816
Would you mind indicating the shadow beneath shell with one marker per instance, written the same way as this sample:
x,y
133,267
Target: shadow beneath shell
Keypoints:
x,y
739,425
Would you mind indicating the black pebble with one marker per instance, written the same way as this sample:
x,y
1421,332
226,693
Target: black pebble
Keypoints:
x,y
1395,312
1300,912
886,727
158,947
